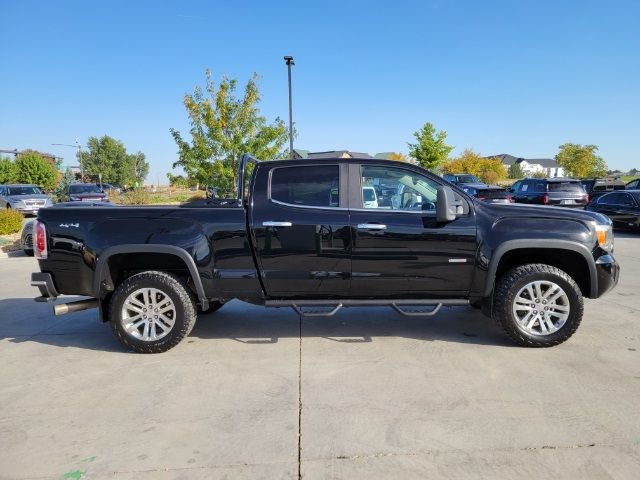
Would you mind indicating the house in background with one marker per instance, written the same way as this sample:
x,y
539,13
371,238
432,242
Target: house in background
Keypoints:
x,y
299,154
530,166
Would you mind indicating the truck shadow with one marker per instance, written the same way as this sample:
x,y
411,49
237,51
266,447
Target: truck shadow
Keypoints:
x,y
23,320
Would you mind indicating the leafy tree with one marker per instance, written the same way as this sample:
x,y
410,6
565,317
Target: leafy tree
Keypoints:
x,y
223,127
515,171
33,168
430,151
8,171
489,170
178,181
398,157
109,157
581,161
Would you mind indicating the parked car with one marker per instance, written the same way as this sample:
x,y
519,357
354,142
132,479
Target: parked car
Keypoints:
x,y
85,192
25,198
26,236
108,188
369,197
281,243
633,184
490,194
623,208
558,192
462,179
599,186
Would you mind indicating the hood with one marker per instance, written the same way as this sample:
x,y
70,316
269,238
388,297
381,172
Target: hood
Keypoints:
x,y
516,210
35,196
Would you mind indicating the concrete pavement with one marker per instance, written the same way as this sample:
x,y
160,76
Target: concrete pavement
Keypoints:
x,y
258,393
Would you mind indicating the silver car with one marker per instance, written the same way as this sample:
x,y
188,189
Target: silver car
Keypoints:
x,y
27,199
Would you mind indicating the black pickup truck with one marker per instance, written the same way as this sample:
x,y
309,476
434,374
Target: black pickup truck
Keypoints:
x,y
300,235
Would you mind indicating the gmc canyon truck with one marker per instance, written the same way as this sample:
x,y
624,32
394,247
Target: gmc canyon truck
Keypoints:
x,y
299,234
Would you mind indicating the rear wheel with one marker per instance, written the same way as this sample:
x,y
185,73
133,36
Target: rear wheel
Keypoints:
x,y
538,305
151,312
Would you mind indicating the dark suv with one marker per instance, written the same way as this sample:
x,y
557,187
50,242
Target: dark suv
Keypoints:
x,y
597,187
558,192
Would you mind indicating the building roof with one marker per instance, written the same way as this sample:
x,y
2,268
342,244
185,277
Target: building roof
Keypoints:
x,y
335,154
299,153
509,160
383,155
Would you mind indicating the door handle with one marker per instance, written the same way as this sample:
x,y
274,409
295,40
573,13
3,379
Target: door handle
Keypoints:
x,y
276,224
371,226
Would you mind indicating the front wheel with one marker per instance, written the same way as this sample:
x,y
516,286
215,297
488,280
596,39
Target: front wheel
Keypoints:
x,y
537,305
151,312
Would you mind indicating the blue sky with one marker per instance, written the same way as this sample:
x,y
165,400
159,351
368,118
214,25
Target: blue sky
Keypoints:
x,y
519,77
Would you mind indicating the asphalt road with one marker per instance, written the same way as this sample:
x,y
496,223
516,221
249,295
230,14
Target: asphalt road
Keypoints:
x,y
256,393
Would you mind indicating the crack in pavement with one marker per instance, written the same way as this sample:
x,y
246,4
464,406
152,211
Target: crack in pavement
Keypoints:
x,y
476,450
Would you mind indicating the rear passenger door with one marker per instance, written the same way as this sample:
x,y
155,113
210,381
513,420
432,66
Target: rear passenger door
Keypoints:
x,y
301,229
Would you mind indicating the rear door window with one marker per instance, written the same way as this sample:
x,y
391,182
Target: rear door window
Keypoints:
x,y
306,185
611,199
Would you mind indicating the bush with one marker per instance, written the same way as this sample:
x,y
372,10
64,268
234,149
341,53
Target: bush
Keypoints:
x,y
10,221
138,196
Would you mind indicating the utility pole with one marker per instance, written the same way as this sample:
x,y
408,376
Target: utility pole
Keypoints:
x,y
289,61
79,147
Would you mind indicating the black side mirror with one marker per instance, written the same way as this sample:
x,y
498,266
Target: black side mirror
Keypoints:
x,y
448,207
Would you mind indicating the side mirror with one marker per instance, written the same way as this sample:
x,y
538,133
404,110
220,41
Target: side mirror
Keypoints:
x,y
447,207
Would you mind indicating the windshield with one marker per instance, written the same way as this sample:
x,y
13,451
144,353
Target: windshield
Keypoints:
x,y
28,190
468,179
84,189
574,187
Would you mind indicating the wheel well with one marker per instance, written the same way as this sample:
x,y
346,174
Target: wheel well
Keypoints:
x,y
124,265
569,261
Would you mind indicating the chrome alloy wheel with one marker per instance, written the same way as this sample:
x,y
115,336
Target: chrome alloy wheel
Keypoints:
x,y
541,307
148,314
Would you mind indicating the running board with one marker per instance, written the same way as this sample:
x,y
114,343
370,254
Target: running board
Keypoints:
x,y
335,305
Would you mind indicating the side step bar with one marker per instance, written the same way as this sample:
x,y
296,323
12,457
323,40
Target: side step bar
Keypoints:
x,y
401,306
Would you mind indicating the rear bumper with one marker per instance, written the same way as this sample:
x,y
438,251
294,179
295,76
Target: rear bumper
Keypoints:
x,y
608,274
44,282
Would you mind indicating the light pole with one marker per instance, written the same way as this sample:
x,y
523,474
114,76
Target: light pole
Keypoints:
x,y
289,61
79,147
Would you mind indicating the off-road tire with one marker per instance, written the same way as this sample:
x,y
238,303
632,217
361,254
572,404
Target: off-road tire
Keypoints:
x,y
509,285
169,285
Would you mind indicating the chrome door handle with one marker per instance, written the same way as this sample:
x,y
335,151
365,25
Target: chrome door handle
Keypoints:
x,y
277,224
371,226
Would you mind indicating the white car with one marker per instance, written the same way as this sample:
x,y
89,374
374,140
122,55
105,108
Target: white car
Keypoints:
x,y
369,197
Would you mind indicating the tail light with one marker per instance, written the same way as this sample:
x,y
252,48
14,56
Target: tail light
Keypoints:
x,y
40,244
481,198
545,199
510,198
586,198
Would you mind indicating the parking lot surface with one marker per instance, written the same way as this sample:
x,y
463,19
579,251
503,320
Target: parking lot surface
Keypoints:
x,y
257,393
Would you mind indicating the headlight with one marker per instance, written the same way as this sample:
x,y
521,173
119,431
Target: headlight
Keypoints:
x,y
604,234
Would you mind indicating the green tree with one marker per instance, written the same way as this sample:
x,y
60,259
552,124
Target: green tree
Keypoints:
x,y
581,161
489,170
431,150
109,157
8,171
223,127
67,179
178,181
515,171
33,168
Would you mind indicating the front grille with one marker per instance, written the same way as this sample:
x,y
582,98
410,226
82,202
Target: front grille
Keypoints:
x,y
28,241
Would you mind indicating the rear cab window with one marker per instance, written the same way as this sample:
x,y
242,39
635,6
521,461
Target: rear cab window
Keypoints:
x,y
306,185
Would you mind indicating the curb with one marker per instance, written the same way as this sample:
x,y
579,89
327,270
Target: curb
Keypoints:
x,y
13,254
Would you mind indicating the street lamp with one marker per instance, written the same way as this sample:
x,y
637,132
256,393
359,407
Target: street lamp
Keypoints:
x,y
79,147
289,61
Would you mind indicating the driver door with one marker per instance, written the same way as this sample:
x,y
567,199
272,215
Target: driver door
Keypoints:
x,y
399,248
